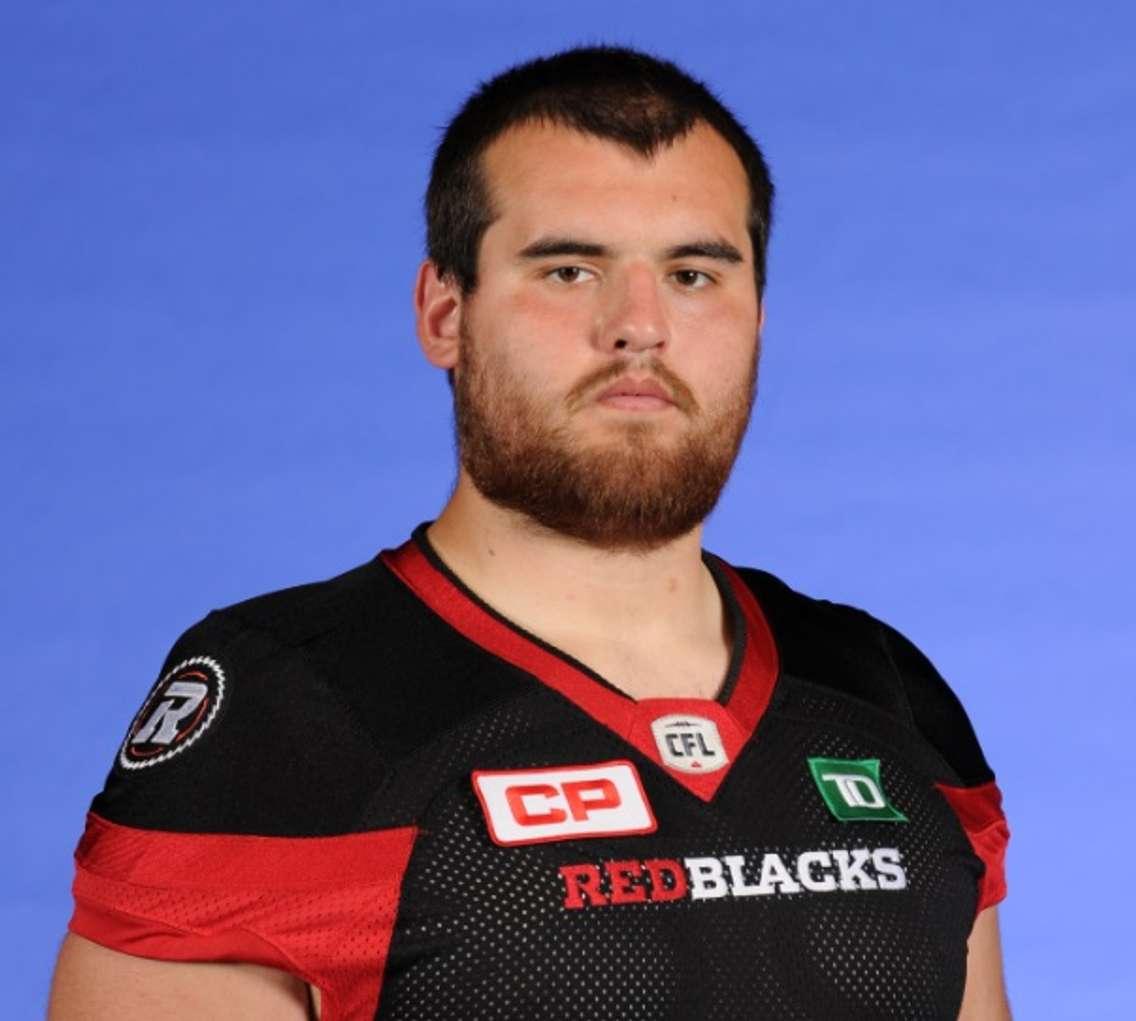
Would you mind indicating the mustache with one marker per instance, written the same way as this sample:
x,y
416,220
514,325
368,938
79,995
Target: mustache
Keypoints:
x,y
680,393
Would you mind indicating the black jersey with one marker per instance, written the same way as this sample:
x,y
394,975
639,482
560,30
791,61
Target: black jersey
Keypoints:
x,y
380,785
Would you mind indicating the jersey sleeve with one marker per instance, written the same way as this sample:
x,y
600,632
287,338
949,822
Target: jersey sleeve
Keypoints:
x,y
970,787
231,826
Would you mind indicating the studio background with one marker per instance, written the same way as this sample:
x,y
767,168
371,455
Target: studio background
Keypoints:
x,y
210,387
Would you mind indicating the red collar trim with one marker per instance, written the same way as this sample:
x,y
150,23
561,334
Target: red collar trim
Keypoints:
x,y
736,718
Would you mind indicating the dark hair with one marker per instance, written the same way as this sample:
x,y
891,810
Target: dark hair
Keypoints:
x,y
610,92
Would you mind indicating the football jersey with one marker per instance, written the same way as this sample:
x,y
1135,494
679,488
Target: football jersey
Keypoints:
x,y
379,784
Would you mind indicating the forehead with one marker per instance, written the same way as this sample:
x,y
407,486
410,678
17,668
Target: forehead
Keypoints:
x,y
544,177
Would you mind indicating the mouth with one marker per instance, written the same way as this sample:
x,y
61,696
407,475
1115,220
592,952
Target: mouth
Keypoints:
x,y
628,394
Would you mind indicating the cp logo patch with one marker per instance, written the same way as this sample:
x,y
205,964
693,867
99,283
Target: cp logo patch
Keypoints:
x,y
534,806
176,713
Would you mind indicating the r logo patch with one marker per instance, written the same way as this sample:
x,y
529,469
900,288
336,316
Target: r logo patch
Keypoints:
x,y
176,713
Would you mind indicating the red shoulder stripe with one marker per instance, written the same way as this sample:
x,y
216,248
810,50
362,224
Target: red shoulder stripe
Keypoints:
x,y
979,810
320,908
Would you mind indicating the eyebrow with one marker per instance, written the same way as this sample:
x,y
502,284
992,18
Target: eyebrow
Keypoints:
x,y
722,251
542,248
546,247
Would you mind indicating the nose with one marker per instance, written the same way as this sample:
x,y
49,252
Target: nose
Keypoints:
x,y
634,319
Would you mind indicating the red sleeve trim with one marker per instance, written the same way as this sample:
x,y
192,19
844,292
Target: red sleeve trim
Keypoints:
x,y
320,908
979,810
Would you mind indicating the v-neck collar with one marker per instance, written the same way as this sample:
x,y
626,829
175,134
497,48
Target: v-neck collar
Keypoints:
x,y
739,706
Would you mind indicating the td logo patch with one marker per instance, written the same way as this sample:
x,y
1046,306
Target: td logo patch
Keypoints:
x,y
176,713
852,790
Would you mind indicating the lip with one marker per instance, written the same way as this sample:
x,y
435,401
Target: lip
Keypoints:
x,y
636,395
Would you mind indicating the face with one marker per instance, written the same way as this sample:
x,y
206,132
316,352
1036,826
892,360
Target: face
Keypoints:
x,y
608,356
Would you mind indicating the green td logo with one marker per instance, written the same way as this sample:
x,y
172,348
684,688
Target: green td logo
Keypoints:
x,y
851,788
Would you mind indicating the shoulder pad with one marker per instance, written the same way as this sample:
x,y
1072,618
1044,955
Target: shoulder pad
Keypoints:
x,y
845,649
242,733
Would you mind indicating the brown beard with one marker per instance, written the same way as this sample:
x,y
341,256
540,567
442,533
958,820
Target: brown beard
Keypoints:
x,y
634,493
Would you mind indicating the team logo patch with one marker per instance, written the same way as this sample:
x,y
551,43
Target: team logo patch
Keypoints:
x,y
534,806
852,790
690,744
176,713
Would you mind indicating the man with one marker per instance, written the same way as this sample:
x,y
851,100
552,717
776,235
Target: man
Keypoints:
x,y
548,759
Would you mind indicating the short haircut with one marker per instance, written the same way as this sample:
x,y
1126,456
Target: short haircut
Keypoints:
x,y
610,92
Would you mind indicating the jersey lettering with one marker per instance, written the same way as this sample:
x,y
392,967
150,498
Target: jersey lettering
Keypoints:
x,y
712,878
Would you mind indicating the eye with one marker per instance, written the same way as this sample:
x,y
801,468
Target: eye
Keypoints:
x,y
569,274
692,279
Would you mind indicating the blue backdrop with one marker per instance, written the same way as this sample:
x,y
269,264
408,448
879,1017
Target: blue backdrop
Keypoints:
x,y
210,385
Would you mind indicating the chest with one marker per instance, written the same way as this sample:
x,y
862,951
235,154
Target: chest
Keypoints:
x,y
823,877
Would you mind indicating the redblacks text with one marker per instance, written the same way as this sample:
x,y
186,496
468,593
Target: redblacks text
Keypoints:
x,y
634,881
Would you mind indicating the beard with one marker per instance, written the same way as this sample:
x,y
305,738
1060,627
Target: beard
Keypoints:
x,y
633,490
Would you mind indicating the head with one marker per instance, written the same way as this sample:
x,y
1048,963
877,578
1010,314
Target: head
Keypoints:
x,y
597,225
621,95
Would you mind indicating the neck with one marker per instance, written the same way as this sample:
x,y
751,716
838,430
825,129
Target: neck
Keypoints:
x,y
555,587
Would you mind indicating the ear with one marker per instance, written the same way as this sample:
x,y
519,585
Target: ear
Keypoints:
x,y
437,310
760,315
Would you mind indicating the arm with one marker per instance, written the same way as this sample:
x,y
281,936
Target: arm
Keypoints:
x,y
984,998
93,983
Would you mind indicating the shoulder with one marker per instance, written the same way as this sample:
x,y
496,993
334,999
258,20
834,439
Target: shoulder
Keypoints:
x,y
853,654
285,714
248,727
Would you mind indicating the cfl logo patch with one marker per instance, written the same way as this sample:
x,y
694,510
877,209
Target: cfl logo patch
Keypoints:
x,y
689,744
534,806
179,709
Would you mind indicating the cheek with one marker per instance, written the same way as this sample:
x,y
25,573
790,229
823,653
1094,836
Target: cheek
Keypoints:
x,y
518,349
715,352
542,341
548,319
718,334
